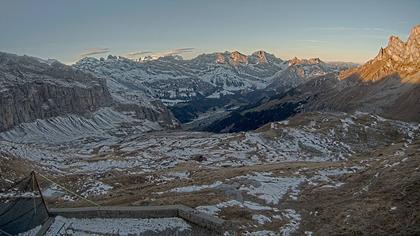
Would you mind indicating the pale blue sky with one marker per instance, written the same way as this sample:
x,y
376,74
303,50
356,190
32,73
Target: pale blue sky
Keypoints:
x,y
331,30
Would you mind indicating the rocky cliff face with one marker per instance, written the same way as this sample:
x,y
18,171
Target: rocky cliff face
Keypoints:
x,y
389,84
402,58
261,56
39,96
34,89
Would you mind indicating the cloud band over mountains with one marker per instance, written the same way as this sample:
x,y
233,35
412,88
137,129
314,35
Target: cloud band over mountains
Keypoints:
x,y
157,54
93,51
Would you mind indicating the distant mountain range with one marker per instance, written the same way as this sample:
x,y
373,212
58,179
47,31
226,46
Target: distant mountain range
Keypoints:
x,y
207,82
173,80
388,85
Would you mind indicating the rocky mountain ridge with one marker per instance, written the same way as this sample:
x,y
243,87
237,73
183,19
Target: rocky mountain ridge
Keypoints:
x,y
387,85
172,79
398,57
35,90
302,70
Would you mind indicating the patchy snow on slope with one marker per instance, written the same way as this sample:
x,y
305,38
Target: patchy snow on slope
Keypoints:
x,y
347,122
215,209
124,226
49,160
70,127
167,177
211,210
178,175
297,144
219,94
293,224
324,176
195,188
271,189
262,233
95,188
261,219
52,191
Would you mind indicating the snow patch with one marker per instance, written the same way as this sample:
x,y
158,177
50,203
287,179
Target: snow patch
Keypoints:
x,y
124,226
271,189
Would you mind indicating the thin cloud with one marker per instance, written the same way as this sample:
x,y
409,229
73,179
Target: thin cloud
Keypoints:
x,y
183,50
88,52
138,54
349,29
93,51
177,51
311,41
158,54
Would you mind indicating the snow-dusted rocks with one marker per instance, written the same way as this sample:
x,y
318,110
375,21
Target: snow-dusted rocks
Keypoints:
x,y
256,179
124,226
299,71
172,79
31,89
101,123
44,99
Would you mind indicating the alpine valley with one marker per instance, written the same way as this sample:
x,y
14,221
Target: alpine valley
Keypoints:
x,y
272,146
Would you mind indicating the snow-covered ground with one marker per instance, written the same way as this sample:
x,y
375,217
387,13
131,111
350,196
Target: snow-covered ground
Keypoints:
x,y
117,226
86,147
61,129
174,165
269,191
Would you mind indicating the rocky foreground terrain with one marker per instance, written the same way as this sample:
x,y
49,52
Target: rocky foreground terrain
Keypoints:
x,y
316,173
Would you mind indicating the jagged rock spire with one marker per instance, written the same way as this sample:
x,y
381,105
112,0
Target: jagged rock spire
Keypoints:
x,y
398,57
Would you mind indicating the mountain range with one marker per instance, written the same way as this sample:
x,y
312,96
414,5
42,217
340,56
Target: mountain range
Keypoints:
x,y
208,82
388,85
174,80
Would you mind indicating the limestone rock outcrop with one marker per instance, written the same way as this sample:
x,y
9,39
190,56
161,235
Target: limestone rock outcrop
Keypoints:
x,y
33,89
398,57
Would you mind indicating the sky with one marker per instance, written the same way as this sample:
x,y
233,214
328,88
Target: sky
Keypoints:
x,y
336,30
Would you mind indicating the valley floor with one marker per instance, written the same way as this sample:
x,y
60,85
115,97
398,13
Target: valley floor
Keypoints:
x,y
315,174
